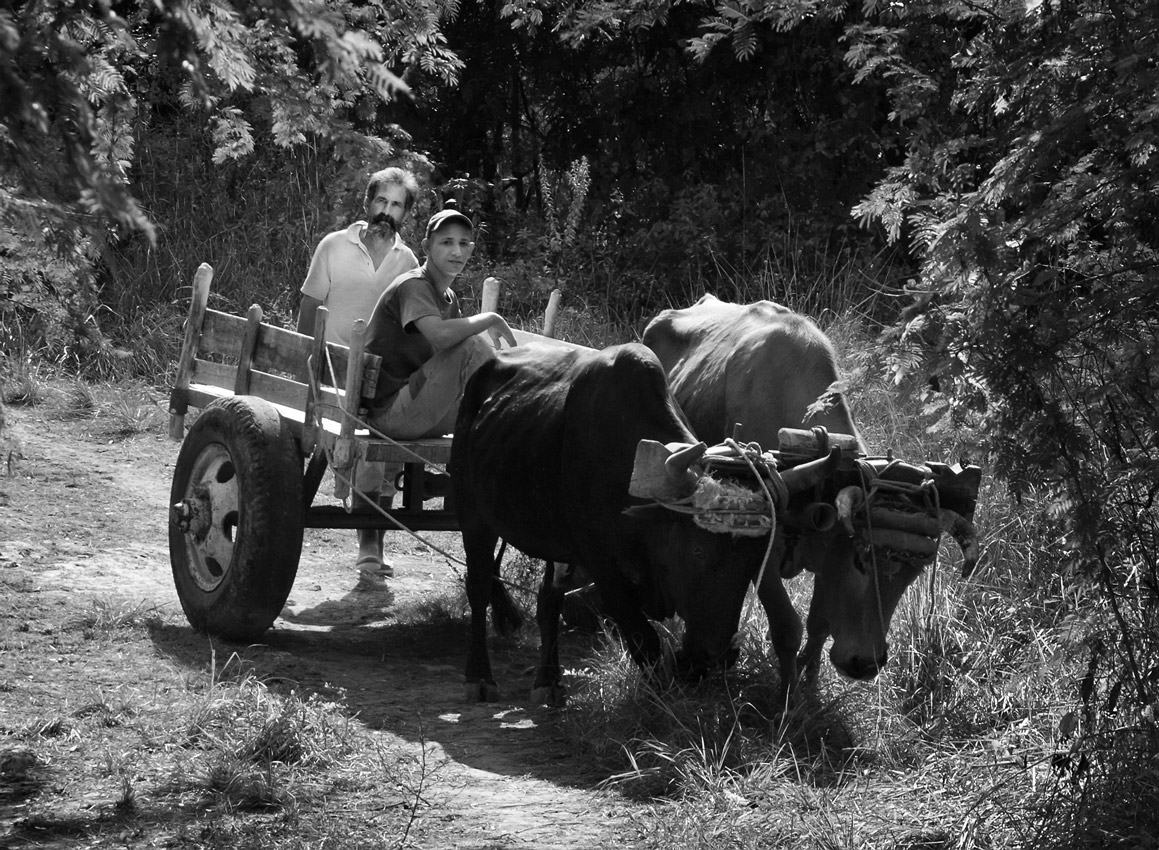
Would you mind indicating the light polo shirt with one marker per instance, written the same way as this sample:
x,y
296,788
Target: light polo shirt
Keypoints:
x,y
343,277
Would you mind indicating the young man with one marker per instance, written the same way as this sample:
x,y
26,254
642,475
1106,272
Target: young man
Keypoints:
x,y
428,348
350,269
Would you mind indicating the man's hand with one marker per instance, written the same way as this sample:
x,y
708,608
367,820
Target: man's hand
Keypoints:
x,y
500,332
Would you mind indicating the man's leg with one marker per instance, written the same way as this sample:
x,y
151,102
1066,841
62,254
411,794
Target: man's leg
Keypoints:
x,y
431,411
376,481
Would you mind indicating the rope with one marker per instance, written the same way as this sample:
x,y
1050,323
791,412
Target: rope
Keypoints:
x,y
781,488
863,470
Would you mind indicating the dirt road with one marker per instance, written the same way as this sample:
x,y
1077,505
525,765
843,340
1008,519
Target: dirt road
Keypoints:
x,y
83,524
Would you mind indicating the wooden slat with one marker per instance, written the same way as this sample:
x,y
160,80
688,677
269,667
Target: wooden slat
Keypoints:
x,y
214,374
280,350
221,333
272,387
201,395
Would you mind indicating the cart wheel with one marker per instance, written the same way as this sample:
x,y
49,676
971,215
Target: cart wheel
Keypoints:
x,y
235,529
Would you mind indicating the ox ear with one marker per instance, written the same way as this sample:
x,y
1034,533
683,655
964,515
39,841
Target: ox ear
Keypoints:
x,y
661,472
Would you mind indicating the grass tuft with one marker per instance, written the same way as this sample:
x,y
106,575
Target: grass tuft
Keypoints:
x,y
103,618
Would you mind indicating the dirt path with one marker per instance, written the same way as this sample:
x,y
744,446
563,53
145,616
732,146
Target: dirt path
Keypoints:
x,y
83,517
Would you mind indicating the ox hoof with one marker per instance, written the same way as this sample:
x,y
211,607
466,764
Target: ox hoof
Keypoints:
x,y
553,695
481,692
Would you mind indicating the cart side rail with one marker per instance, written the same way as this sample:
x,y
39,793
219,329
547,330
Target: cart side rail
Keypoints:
x,y
225,355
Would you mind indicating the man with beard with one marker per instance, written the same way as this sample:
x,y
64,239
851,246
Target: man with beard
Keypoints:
x,y
350,269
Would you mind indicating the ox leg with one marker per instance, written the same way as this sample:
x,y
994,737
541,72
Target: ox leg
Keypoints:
x,y
548,688
479,545
816,631
643,644
784,629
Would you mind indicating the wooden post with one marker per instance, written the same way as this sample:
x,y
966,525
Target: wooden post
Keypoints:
x,y
193,322
317,368
245,357
490,301
550,314
344,446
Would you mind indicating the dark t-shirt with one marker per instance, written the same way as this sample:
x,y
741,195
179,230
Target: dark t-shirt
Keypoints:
x,y
394,337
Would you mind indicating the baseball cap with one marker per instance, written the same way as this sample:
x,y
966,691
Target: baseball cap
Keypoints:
x,y
449,212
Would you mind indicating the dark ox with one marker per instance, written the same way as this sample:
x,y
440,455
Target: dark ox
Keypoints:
x,y
763,366
542,457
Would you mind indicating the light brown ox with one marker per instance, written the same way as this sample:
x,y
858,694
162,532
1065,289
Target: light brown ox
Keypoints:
x,y
764,366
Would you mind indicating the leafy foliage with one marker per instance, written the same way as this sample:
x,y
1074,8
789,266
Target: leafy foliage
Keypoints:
x,y
1035,213
79,81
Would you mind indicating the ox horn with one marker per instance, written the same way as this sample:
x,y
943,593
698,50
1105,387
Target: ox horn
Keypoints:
x,y
848,500
678,462
963,531
806,475
676,466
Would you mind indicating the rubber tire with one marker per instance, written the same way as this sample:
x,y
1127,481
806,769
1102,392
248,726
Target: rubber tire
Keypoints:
x,y
234,582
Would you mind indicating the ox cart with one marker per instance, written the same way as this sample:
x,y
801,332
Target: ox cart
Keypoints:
x,y
277,408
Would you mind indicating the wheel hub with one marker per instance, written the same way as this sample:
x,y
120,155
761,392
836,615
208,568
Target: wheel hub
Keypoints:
x,y
193,514
209,515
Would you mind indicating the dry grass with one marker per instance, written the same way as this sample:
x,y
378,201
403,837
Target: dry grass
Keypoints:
x,y
213,759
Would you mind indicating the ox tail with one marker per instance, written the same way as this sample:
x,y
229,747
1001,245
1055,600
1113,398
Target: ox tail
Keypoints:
x,y
506,617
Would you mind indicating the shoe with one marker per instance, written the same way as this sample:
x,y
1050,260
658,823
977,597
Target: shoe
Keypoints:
x,y
371,567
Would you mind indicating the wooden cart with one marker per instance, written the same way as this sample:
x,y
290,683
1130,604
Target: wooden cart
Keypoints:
x,y
277,408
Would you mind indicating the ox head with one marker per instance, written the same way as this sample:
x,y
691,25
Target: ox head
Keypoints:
x,y
702,574
864,558
703,577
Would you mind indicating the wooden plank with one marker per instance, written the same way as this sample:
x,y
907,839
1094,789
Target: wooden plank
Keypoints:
x,y
222,333
273,388
202,395
215,374
436,450
193,330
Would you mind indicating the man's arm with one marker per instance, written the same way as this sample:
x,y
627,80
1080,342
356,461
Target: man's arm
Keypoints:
x,y
307,314
443,333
